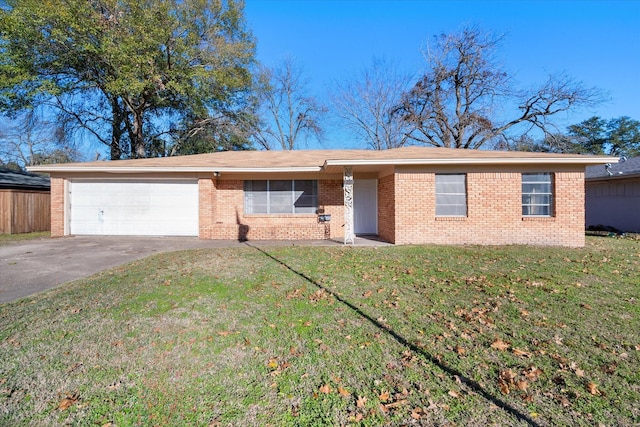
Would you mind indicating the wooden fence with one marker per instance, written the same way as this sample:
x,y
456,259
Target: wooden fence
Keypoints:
x,y
24,211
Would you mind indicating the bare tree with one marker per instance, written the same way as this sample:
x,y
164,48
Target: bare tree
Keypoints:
x,y
366,101
290,116
456,103
31,140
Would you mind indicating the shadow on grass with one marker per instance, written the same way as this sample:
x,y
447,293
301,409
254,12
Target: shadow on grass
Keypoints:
x,y
473,385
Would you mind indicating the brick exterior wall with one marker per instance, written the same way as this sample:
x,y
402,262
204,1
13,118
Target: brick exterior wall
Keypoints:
x,y
494,212
387,208
222,214
406,211
57,207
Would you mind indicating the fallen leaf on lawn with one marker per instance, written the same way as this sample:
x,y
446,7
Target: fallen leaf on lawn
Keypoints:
x,y
396,404
273,363
67,402
504,387
416,414
507,375
326,389
460,350
343,392
522,385
593,389
224,333
498,344
453,393
532,373
367,294
565,402
383,396
519,352
107,425
361,401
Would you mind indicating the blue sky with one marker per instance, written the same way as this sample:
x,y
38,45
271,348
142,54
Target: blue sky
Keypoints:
x,y
595,42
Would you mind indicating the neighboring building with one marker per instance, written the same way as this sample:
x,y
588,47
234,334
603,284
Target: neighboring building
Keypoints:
x,y
613,196
24,202
404,196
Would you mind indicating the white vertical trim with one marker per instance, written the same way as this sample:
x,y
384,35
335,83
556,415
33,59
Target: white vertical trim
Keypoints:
x,y
349,235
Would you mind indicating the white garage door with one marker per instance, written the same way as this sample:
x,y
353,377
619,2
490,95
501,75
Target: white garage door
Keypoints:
x,y
134,208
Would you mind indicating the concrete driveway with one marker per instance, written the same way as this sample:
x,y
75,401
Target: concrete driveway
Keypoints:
x,y
36,265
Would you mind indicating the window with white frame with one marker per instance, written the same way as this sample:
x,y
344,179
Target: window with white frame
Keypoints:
x,y
281,197
451,194
537,194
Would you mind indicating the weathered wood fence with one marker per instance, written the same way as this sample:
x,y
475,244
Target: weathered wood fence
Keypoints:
x,y
24,211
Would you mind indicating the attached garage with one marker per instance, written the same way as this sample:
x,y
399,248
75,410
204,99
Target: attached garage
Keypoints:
x,y
133,207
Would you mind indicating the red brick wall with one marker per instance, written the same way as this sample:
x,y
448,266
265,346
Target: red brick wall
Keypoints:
x,y
57,207
494,212
387,208
222,214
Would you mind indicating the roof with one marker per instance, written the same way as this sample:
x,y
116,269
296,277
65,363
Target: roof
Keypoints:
x,y
624,169
13,179
320,160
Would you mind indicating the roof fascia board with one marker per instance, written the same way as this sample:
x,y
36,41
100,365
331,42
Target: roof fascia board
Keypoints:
x,y
474,161
165,169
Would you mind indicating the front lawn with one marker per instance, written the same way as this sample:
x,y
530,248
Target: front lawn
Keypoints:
x,y
413,335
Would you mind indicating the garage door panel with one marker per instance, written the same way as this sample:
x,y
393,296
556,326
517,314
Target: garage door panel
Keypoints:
x,y
151,208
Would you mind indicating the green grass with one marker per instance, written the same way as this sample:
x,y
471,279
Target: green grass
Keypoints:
x,y
11,238
412,335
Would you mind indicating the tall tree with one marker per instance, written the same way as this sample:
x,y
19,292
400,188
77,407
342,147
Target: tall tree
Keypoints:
x,y
30,140
129,73
613,137
366,103
457,101
290,116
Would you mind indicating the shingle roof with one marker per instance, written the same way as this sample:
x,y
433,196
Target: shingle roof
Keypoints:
x,y
10,178
319,159
630,167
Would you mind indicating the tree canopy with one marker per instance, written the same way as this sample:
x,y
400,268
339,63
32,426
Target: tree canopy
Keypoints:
x,y
459,100
614,137
144,77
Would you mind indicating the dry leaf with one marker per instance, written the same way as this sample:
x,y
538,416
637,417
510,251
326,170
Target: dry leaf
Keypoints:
x,y
326,389
416,414
460,350
522,385
383,396
519,352
67,402
224,333
593,389
504,387
343,392
507,375
361,401
532,373
396,404
453,393
498,344
367,294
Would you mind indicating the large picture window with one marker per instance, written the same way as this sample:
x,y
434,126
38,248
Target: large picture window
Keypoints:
x,y
451,195
537,194
281,197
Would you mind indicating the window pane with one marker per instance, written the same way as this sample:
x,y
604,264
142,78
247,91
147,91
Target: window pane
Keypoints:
x,y
537,194
451,195
281,196
305,196
255,197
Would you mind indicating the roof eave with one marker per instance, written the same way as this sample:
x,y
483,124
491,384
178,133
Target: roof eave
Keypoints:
x,y
165,169
474,161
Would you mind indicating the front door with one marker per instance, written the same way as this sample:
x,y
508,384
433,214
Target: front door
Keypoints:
x,y
365,206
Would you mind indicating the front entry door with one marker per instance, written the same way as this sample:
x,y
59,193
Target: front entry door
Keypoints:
x,y
365,206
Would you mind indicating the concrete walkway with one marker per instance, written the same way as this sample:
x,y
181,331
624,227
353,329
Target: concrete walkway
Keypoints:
x,y
33,266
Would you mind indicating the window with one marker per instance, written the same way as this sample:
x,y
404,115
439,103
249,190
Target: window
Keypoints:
x,y
537,194
280,197
451,195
